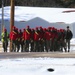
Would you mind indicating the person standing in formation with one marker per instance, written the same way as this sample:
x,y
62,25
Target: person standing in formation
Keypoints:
x,y
69,36
39,39
4,39
27,38
36,40
13,37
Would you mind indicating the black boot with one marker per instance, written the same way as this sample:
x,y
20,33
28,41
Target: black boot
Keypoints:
x,y
65,50
68,50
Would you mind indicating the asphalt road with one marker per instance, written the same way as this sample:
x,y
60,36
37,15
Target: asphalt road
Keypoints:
x,y
10,55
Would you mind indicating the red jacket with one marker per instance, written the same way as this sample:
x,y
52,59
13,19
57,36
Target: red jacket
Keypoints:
x,y
20,36
36,36
27,35
23,35
32,35
54,35
13,35
47,35
41,35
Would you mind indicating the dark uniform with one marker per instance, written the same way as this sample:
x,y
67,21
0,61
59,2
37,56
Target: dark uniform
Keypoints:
x,y
41,40
21,42
69,36
32,40
62,40
45,40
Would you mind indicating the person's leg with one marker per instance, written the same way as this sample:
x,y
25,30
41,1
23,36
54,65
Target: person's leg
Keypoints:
x,y
4,46
68,45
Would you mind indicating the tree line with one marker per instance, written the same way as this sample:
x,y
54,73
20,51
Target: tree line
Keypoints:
x,y
42,3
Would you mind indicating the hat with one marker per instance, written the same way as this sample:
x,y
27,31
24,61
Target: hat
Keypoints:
x,y
44,29
36,28
5,29
32,28
27,26
40,27
20,30
67,26
24,29
14,27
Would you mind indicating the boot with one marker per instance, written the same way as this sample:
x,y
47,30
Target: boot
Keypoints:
x,y
68,50
65,50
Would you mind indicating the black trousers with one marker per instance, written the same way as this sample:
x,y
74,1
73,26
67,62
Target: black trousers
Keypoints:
x,y
5,46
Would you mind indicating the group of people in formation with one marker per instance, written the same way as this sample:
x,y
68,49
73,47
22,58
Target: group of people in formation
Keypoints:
x,y
37,39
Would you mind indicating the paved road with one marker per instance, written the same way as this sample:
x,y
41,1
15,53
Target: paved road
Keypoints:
x,y
37,54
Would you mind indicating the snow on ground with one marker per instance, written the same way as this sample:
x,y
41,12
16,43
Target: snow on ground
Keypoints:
x,y
65,15
37,66
72,44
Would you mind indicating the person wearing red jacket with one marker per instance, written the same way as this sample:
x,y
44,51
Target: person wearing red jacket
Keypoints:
x,y
55,37
62,40
48,38
36,40
41,40
20,42
13,37
27,38
32,40
45,43
23,39
52,39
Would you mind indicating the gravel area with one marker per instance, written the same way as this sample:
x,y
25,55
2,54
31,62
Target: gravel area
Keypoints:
x,y
36,55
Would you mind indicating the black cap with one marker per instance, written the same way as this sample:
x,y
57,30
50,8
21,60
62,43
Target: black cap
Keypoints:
x,y
67,26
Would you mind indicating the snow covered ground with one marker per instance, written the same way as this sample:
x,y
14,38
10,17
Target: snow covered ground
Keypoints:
x,y
51,15
37,66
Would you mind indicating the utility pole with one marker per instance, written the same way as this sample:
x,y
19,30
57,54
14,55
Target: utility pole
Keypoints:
x,y
11,20
2,26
